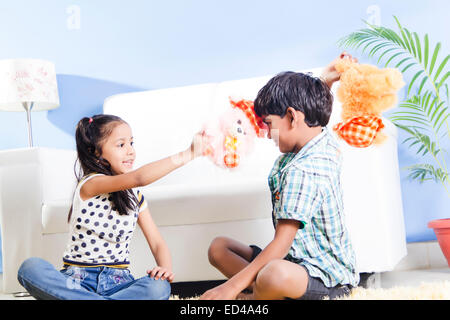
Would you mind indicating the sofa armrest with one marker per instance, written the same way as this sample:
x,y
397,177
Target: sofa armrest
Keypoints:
x,y
27,178
54,216
20,202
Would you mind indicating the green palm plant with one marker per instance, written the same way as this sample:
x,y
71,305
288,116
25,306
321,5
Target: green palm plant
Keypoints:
x,y
424,113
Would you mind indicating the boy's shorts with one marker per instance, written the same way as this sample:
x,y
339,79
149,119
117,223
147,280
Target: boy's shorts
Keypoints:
x,y
316,289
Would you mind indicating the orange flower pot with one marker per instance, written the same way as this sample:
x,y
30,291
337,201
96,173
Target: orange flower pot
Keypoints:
x,y
442,230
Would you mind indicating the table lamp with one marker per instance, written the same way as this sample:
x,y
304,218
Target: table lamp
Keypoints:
x,y
28,85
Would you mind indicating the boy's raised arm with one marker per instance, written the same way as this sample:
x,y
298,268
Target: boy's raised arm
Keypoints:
x,y
330,74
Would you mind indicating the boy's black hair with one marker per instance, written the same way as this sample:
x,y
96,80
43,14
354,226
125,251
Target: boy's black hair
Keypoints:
x,y
90,134
300,91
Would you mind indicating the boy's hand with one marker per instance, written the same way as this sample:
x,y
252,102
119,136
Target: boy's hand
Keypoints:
x,y
330,74
161,273
222,292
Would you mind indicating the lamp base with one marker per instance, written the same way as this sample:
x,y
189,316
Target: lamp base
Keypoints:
x,y
28,106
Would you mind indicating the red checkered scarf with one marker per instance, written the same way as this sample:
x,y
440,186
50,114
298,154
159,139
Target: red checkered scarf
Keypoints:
x,y
359,131
249,109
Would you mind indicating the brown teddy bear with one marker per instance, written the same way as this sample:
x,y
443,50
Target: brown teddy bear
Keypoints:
x,y
365,91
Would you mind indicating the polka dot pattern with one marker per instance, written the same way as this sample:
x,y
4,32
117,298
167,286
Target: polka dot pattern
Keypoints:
x,y
98,234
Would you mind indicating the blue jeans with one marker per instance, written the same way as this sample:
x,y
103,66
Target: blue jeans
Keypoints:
x,y
44,282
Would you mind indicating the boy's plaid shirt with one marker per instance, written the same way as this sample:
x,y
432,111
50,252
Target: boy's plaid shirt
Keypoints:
x,y
306,187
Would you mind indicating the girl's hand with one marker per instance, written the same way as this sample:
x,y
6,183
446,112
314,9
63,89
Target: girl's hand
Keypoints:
x,y
198,147
200,144
330,74
161,273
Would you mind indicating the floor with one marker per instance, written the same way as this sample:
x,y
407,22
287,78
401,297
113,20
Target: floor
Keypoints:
x,y
384,280
413,277
424,263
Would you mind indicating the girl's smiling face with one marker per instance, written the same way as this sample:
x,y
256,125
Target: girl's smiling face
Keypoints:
x,y
118,149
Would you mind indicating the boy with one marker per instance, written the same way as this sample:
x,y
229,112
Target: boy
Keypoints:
x,y
310,256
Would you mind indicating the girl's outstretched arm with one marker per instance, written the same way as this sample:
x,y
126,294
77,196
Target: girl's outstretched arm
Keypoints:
x,y
144,175
158,246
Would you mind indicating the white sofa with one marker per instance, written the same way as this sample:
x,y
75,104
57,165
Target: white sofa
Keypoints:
x,y
200,201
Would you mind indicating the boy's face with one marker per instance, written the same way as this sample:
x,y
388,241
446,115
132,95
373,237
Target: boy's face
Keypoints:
x,y
280,131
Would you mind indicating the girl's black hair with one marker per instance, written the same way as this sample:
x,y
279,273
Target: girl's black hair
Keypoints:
x,y
300,91
90,135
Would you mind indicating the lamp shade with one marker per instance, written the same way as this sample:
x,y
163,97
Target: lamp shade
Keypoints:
x,y
28,80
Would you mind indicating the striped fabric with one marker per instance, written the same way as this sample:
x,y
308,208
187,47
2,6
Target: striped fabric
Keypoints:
x,y
142,204
306,187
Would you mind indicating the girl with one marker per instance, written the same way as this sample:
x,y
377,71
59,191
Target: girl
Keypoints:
x,y
105,209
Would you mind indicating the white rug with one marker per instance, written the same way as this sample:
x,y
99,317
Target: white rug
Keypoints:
x,y
425,291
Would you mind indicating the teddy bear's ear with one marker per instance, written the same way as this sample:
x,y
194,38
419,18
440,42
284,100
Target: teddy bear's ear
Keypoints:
x,y
395,79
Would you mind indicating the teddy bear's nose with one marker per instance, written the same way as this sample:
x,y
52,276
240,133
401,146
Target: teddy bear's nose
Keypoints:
x,y
239,130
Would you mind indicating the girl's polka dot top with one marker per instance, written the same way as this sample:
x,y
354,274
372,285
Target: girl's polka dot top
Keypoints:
x,y
98,235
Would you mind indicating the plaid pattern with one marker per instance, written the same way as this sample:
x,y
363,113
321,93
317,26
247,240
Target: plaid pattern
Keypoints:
x,y
231,158
249,109
306,187
359,131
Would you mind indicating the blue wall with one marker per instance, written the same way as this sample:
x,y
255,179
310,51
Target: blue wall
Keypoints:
x,y
105,47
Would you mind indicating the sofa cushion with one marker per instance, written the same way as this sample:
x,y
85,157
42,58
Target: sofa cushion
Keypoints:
x,y
184,205
54,216
190,204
